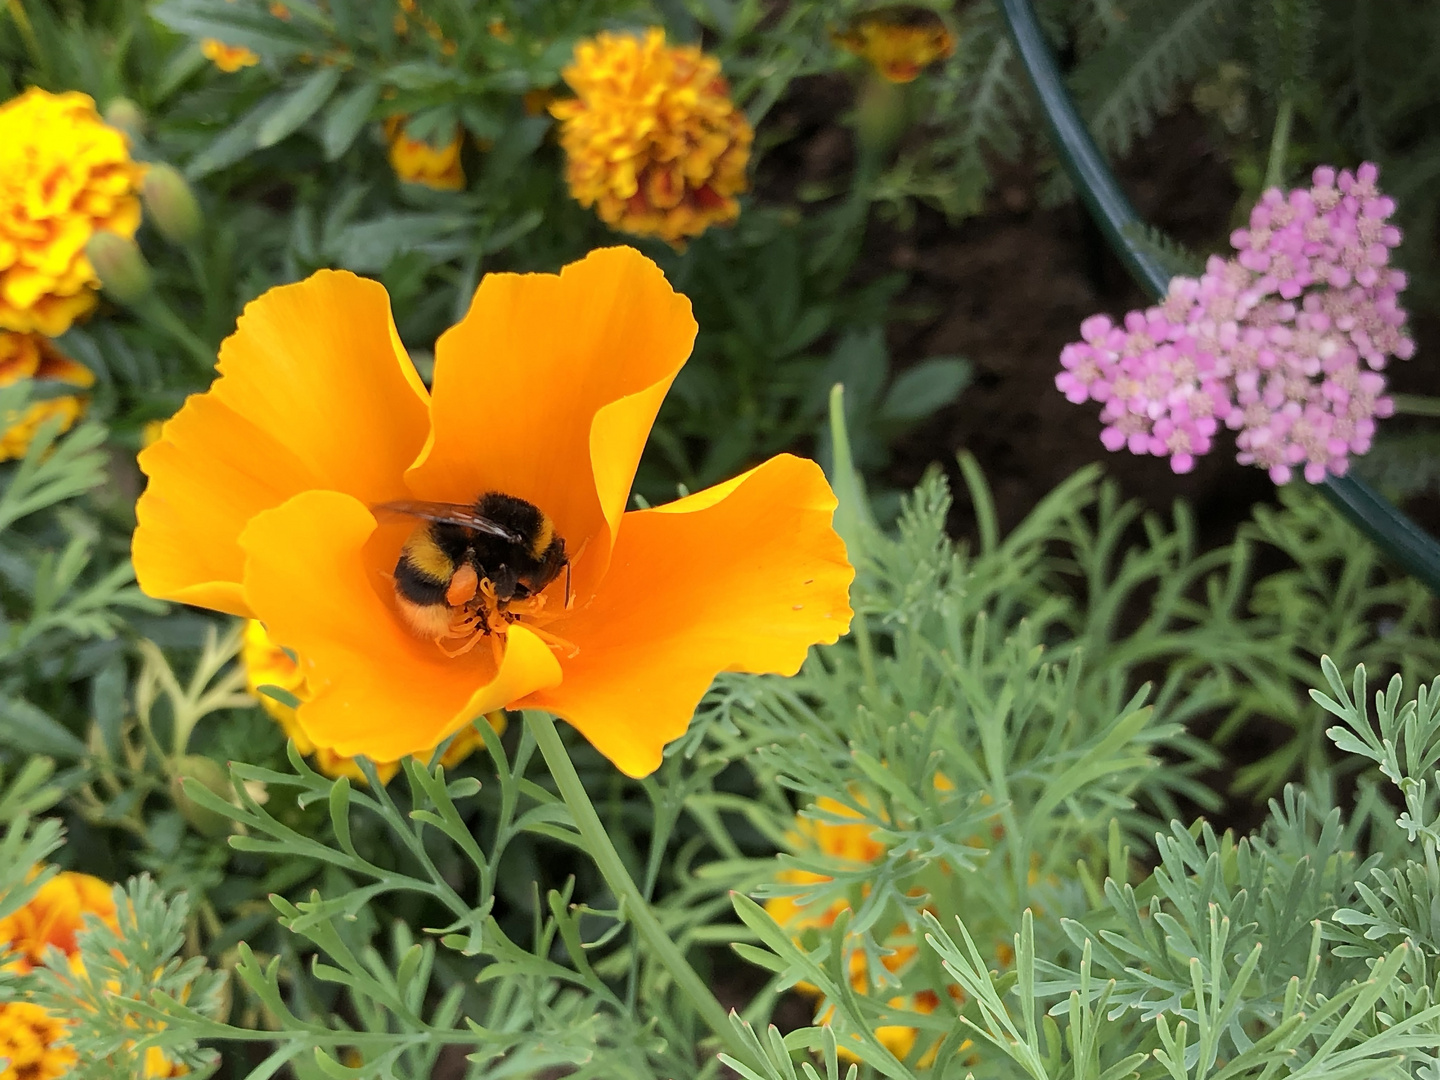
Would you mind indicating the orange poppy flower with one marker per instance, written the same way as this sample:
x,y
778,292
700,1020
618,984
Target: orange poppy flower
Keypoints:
x,y
263,494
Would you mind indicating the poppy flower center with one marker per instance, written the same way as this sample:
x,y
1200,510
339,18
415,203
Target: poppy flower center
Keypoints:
x,y
469,572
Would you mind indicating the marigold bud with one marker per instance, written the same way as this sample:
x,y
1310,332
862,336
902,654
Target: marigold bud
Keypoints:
x,y
899,41
122,113
170,203
122,270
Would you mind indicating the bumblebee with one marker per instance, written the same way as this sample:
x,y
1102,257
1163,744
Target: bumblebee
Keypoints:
x,y
471,570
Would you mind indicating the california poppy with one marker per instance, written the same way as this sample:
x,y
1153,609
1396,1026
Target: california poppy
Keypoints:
x,y
263,492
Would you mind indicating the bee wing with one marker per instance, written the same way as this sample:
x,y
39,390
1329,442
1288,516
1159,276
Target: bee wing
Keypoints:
x,y
448,513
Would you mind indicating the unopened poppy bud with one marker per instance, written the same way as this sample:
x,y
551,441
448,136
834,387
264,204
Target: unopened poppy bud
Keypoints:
x,y
124,114
122,270
170,203
211,775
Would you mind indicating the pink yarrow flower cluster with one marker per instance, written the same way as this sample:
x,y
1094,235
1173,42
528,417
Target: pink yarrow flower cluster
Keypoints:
x,y
1283,343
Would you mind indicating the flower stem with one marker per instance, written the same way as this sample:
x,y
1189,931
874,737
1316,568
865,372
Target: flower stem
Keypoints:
x,y
27,35
154,311
637,911
1279,145
1416,405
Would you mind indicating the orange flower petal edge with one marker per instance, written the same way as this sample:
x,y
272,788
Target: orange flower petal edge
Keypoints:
x,y
315,391
545,392
746,581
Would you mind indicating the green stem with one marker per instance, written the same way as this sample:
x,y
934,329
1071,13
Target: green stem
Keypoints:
x,y
640,915
1279,145
27,35
155,311
1416,405
1413,549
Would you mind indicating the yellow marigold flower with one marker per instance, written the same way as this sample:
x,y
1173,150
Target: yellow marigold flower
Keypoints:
x,y
32,1044
415,161
228,58
54,916
267,664
651,138
900,42
63,175
30,356
274,496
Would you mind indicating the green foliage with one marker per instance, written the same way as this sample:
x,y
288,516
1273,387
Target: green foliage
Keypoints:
x,y
986,727
1138,73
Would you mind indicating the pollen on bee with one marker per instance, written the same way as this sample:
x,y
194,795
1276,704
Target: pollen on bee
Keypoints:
x,y
462,586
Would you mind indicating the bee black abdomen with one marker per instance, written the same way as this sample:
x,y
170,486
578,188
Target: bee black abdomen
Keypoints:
x,y
427,563
415,585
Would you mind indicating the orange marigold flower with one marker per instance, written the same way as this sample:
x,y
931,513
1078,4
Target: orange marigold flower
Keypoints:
x,y
30,356
846,843
228,58
54,916
900,42
267,664
416,161
651,138
63,175
266,500
856,845
32,1044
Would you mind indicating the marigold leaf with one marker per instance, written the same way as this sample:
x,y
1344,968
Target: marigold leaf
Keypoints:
x,y
346,117
26,727
298,107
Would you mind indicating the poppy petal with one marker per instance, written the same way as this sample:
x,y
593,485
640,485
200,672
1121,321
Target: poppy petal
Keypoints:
x,y
201,492
547,390
376,689
315,391
742,577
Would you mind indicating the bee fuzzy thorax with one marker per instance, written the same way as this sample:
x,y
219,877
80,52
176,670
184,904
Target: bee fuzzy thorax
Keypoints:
x,y
471,571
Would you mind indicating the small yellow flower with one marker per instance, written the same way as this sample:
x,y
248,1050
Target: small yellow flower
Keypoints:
x,y
279,10
228,58
651,138
63,175
900,42
415,161
266,664
30,356
32,1044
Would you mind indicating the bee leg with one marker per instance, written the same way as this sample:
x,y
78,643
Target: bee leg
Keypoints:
x,y
505,581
